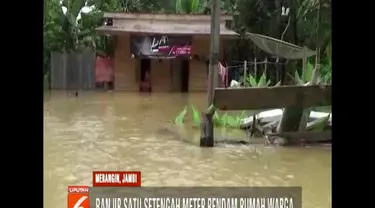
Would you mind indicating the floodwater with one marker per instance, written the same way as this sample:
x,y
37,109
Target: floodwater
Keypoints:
x,y
121,131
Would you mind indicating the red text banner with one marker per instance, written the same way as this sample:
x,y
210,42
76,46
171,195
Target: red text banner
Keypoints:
x,y
116,178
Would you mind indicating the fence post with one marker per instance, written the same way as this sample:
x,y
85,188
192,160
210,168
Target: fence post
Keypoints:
x,y
244,73
255,68
80,66
90,69
63,68
265,66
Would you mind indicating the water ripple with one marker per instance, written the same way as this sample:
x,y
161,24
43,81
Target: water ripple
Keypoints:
x,y
103,132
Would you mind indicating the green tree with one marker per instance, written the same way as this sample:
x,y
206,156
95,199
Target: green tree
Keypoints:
x,y
65,31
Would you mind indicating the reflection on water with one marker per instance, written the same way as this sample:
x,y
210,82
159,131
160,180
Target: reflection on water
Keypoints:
x,y
119,131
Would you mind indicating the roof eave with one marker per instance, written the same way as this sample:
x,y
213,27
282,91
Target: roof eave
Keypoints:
x,y
179,17
108,30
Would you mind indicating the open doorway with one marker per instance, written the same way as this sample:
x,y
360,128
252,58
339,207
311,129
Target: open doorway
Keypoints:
x,y
185,68
145,82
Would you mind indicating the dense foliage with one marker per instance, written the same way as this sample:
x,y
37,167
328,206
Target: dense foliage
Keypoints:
x,y
68,26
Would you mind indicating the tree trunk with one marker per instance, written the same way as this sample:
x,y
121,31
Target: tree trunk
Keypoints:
x,y
290,119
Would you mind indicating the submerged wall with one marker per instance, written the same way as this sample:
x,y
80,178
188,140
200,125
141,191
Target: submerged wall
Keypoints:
x,y
104,71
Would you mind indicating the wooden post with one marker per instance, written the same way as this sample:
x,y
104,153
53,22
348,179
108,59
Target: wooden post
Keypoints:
x,y
207,139
244,73
304,62
265,66
207,131
292,116
255,68
214,48
306,113
64,56
315,72
80,70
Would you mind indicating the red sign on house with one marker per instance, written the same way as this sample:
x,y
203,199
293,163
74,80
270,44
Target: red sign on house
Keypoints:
x,y
161,46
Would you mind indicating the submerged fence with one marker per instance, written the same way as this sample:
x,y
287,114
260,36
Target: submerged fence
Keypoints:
x,y
73,70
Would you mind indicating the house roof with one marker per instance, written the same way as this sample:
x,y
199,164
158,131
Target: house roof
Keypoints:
x,y
176,17
172,24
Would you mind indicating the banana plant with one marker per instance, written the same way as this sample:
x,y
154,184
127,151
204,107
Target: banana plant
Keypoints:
x,y
303,78
196,116
323,76
223,120
326,73
226,120
319,124
326,69
63,28
308,78
181,116
262,82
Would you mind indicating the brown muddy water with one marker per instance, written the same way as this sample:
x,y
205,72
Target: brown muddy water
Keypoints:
x,y
121,131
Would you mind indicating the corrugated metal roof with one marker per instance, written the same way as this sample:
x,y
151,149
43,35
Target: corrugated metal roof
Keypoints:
x,y
169,17
172,28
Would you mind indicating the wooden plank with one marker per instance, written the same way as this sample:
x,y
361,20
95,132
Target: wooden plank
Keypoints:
x,y
272,97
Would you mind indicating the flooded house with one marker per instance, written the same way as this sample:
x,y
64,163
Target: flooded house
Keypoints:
x,y
164,52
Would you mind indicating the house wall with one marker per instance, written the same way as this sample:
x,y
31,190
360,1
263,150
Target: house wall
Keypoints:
x,y
125,73
198,69
198,79
103,70
127,69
